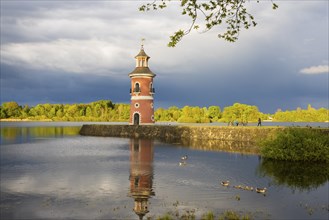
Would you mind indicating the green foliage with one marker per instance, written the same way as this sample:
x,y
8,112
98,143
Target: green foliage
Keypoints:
x,y
232,14
175,38
103,110
165,217
186,119
232,215
188,114
214,113
11,110
241,113
297,144
3,113
208,216
10,105
301,115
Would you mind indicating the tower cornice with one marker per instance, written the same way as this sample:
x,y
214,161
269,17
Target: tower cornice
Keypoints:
x,y
141,71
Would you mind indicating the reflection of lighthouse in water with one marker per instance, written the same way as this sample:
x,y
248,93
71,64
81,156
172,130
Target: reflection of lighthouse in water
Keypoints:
x,y
141,174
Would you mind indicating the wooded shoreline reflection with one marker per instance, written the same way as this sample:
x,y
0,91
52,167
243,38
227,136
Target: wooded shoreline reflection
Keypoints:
x,y
244,147
295,175
22,134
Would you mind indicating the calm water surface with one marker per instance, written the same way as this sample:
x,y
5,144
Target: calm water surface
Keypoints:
x,y
48,171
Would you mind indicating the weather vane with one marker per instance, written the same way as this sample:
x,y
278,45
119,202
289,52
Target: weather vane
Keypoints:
x,y
143,39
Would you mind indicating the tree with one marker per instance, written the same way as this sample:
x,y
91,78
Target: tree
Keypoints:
x,y
101,108
72,111
161,114
3,113
89,112
60,111
307,115
123,111
11,109
214,113
25,111
38,110
241,112
158,114
174,113
232,14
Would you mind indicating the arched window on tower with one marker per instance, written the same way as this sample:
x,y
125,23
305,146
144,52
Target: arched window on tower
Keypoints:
x,y
152,91
137,88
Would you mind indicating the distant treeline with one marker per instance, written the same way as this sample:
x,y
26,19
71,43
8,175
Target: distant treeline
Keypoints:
x,y
105,110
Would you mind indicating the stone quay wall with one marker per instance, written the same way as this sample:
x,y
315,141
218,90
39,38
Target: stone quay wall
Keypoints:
x,y
173,133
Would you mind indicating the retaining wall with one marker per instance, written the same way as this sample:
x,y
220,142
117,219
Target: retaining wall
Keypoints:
x,y
176,133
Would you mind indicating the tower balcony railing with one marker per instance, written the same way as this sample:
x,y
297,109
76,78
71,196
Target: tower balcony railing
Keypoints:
x,y
137,90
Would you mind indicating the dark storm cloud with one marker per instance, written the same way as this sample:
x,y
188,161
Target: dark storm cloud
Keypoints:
x,y
33,87
258,82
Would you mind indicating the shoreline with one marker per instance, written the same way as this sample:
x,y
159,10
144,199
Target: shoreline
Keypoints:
x,y
24,120
177,132
223,138
167,123
216,138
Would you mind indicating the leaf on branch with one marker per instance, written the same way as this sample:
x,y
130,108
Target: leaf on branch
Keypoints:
x,y
142,8
174,39
232,14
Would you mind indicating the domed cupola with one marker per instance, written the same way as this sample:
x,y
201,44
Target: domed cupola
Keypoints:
x,y
142,64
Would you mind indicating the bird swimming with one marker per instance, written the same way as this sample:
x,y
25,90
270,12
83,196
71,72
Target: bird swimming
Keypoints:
x,y
184,157
238,187
261,190
225,183
250,188
183,163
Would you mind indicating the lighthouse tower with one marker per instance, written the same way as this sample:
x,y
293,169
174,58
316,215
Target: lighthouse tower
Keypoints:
x,y
141,91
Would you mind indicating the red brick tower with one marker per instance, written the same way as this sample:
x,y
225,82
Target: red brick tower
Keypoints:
x,y
142,91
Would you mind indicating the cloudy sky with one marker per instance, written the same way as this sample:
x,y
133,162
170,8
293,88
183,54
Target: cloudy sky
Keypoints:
x,y
83,51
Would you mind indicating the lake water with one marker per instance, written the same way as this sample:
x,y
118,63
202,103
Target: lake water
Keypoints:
x,y
48,171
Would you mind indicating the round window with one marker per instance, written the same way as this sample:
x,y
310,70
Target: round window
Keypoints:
x,y
137,105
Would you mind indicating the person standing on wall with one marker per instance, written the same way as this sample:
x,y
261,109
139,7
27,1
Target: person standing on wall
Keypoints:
x,y
259,122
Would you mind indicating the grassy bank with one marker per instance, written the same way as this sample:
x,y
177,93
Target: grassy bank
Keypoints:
x,y
297,144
